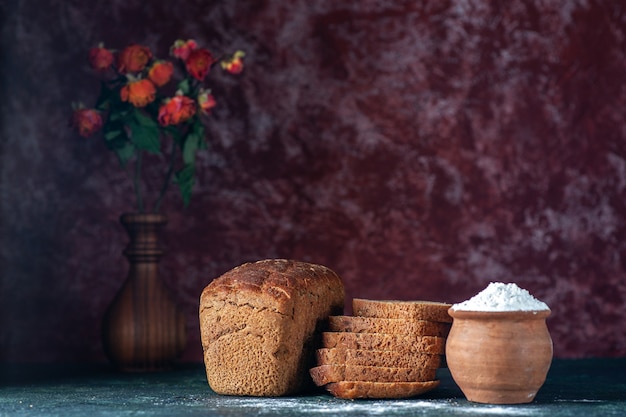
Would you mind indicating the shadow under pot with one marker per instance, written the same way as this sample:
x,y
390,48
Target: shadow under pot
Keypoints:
x,y
499,357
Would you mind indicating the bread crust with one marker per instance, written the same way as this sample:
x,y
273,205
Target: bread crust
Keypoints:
x,y
389,358
414,310
358,324
325,374
388,349
260,325
351,390
377,341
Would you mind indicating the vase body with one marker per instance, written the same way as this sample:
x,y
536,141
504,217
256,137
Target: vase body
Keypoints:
x,y
499,357
143,330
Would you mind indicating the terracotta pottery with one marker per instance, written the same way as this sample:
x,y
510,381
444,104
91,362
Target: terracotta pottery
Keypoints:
x,y
499,357
142,329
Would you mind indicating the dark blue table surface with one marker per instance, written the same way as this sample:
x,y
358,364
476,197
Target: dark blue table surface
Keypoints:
x,y
586,387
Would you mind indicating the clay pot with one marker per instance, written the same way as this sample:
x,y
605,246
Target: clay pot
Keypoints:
x,y
499,357
143,329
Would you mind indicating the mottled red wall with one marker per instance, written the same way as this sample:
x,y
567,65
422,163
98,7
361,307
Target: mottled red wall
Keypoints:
x,y
419,148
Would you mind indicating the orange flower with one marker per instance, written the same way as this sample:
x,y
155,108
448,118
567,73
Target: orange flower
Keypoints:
x,y
234,65
181,48
133,58
198,63
161,72
100,58
206,101
176,110
86,121
138,92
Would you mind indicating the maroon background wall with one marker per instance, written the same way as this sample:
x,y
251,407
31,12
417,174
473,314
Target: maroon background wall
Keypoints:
x,y
419,149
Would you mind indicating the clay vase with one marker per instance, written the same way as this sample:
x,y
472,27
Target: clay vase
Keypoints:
x,y
142,329
499,357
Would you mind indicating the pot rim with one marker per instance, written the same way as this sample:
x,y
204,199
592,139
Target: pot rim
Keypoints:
x,y
143,218
495,315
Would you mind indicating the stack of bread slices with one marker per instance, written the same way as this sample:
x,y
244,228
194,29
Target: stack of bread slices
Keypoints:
x,y
387,349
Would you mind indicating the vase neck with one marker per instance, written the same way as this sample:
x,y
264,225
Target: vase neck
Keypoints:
x,y
143,230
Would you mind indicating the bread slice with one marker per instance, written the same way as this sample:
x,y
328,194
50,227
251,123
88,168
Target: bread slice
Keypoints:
x,y
384,358
258,325
325,374
379,390
394,309
357,324
379,341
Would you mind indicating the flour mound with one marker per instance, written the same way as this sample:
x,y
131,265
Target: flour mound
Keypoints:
x,y
499,296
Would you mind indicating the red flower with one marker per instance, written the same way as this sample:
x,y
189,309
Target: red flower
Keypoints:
x,y
181,49
177,110
206,101
133,58
86,121
198,63
100,58
234,65
161,72
139,93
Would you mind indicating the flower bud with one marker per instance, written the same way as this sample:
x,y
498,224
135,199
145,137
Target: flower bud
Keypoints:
x,y
206,101
181,48
234,64
100,58
86,121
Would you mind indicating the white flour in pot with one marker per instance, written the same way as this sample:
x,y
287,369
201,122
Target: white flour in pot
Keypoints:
x,y
499,296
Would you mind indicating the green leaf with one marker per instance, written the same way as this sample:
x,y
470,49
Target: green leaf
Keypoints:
x,y
144,132
144,120
185,179
193,142
189,149
199,130
184,86
103,105
117,115
125,152
105,97
112,134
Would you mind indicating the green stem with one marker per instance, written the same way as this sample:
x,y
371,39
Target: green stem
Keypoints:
x,y
168,178
137,182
